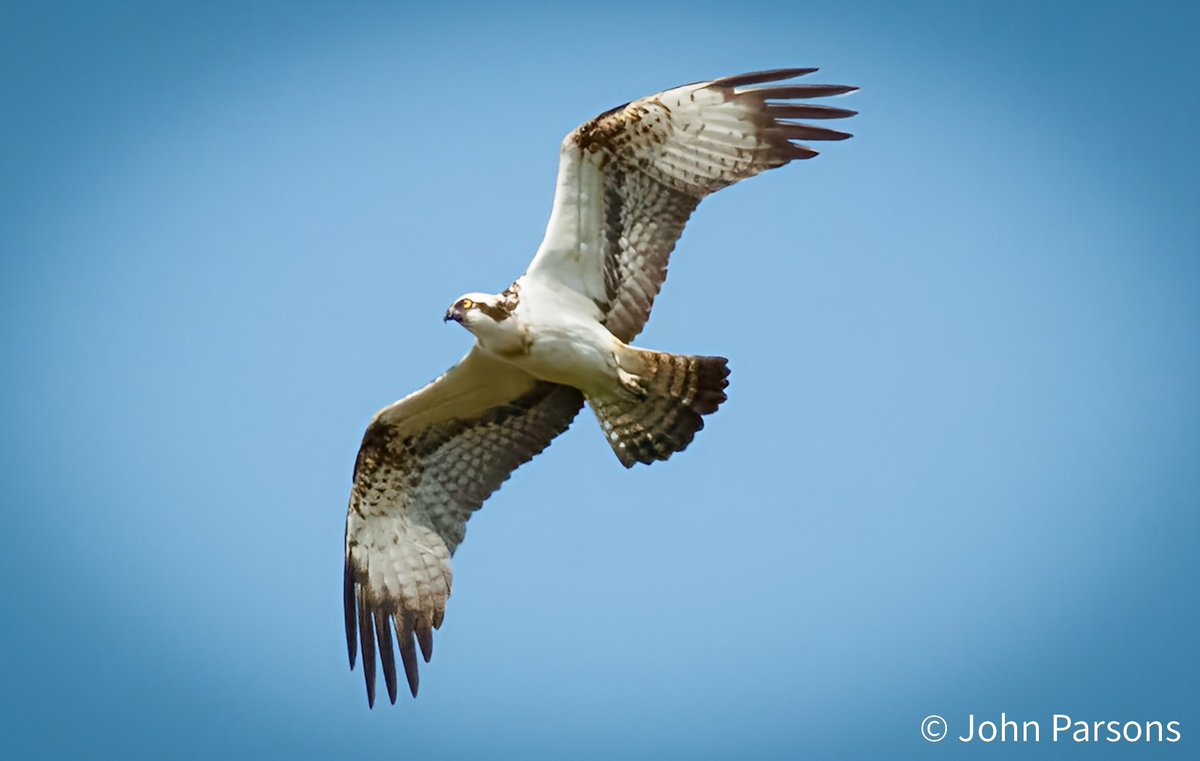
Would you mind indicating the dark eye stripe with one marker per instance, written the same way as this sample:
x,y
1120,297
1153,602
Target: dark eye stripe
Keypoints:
x,y
497,313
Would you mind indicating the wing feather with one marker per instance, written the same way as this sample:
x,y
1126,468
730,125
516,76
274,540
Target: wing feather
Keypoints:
x,y
425,465
630,178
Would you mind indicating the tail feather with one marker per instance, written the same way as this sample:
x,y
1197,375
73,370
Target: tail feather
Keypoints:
x,y
661,403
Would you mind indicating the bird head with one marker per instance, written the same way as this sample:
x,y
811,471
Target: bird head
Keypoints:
x,y
477,310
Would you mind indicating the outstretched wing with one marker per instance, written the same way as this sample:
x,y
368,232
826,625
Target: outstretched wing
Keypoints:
x,y
426,463
629,179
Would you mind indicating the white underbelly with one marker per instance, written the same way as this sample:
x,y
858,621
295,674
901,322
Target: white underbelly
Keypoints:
x,y
575,355
562,338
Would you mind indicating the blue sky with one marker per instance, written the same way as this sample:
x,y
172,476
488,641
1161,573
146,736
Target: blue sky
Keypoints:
x,y
957,472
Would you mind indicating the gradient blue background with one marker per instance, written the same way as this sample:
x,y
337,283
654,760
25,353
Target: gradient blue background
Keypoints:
x,y
958,471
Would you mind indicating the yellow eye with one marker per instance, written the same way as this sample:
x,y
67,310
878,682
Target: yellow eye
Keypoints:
x,y
467,303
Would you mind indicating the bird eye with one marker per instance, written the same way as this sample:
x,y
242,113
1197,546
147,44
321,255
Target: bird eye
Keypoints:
x,y
467,303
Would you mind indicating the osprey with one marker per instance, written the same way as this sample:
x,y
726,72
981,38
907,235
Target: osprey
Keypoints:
x,y
627,182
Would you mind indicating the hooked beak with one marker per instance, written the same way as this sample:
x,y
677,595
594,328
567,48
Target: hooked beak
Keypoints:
x,y
453,313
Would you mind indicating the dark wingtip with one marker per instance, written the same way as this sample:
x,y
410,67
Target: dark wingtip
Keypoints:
x,y
387,655
758,77
408,654
425,640
799,152
408,650
788,92
351,614
366,636
807,111
809,132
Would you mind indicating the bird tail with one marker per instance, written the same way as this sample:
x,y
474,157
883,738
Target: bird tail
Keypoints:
x,y
659,404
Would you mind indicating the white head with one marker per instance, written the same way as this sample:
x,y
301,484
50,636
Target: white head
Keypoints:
x,y
489,316
470,308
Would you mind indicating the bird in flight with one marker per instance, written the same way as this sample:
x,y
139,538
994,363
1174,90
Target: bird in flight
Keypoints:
x,y
560,335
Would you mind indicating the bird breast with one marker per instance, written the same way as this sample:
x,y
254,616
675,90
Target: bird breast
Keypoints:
x,y
560,343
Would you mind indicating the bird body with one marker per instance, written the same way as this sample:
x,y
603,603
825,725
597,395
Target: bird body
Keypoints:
x,y
553,334
561,334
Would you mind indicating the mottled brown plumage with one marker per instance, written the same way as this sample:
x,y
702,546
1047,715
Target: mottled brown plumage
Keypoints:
x,y
416,484
661,413
652,161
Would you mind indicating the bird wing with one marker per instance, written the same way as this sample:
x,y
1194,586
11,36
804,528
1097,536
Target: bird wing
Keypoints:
x,y
426,463
629,179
